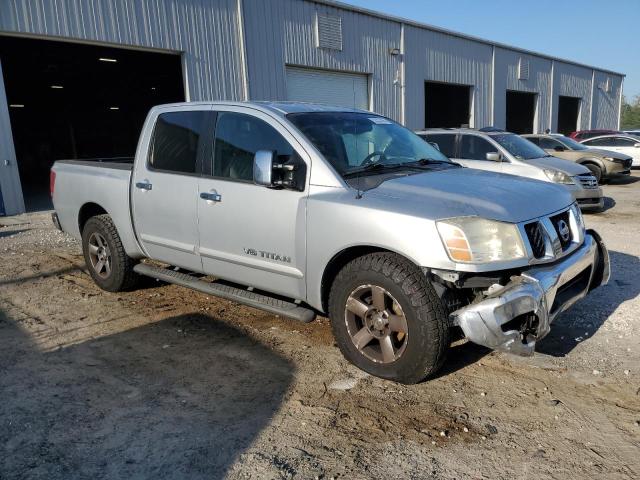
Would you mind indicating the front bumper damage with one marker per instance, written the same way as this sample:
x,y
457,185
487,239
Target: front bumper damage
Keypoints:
x,y
516,316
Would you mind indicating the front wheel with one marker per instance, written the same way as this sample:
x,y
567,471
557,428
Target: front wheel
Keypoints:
x,y
109,265
387,318
595,170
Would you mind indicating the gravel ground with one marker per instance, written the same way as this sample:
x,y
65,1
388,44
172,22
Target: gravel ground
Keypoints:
x,y
163,382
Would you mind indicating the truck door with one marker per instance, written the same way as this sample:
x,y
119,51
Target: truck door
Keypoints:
x,y
251,234
165,187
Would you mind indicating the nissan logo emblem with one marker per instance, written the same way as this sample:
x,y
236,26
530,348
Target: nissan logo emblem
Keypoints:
x,y
563,230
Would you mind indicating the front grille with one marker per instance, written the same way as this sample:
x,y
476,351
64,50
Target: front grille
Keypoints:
x,y
561,224
588,181
535,234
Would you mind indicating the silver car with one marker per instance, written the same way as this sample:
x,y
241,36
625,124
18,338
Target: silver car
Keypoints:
x,y
504,152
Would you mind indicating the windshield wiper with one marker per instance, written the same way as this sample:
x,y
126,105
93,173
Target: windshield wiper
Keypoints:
x,y
372,167
431,161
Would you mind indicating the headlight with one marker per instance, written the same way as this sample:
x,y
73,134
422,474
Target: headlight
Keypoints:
x,y
610,159
476,240
558,177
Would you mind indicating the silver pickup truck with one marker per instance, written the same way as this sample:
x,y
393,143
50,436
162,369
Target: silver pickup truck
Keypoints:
x,y
302,209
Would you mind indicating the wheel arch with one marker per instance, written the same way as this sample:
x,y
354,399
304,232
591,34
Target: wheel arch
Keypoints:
x,y
88,210
593,161
340,259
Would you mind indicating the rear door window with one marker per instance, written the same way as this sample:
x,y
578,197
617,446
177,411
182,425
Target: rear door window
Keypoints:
x,y
176,141
600,142
473,147
446,142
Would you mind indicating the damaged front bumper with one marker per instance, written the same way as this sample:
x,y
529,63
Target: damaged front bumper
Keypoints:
x,y
517,315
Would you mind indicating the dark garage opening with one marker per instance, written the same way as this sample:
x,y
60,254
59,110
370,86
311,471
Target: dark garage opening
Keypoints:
x,y
568,111
446,105
521,111
73,101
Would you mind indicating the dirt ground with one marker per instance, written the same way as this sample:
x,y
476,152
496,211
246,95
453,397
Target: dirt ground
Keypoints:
x,y
164,382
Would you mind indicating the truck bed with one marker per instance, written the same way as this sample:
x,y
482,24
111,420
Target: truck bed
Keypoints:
x,y
118,163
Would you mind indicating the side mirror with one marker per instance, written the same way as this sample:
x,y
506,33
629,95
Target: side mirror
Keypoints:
x,y
559,148
263,168
494,157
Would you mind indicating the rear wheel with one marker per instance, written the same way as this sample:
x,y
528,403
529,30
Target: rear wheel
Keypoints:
x,y
387,318
109,265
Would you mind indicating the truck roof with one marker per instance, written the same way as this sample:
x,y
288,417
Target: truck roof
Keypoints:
x,y
279,107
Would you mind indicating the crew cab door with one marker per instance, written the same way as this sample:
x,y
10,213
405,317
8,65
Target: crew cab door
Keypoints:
x,y
164,190
472,152
251,234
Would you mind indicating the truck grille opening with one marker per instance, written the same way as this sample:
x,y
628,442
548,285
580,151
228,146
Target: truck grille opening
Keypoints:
x,y
535,234
561,224
571,289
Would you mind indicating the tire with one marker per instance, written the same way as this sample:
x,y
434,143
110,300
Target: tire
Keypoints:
x,y
421,350
116,271
595,169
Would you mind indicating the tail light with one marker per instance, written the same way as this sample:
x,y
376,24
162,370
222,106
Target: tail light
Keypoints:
x,y
52,182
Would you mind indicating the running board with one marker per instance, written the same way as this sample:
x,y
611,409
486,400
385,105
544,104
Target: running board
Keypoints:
x,y
260,301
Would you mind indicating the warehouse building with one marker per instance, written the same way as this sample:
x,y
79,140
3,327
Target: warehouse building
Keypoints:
x,y
78,76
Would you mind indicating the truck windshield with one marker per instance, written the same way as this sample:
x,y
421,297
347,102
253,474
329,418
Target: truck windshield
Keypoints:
x,y
519,147
354,142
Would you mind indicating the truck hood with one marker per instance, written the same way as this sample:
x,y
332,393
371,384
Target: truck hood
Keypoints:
x,y
465,191
565,166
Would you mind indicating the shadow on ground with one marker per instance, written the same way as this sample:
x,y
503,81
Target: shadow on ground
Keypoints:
x,y
589,314
179,398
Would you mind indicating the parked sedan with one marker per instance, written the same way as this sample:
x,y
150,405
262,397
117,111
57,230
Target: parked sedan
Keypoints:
x,y
580,135
505,152
604,164
620,143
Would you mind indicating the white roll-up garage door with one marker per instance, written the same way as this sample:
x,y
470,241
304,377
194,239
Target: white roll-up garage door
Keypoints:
x,y
330,87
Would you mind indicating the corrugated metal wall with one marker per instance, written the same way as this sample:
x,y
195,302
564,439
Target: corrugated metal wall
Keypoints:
x,y
606,104
435,56
572,81
205,30
507,78
282,33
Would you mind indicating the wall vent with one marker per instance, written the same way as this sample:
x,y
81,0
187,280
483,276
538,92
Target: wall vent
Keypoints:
x,y
523,69
328,32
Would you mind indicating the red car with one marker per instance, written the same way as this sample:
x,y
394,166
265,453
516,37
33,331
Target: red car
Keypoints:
x,y
584,134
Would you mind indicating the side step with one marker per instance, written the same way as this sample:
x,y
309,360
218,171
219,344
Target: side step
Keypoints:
x,y
260,301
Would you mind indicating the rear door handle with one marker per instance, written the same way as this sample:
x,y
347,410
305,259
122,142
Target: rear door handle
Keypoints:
x,y
211,196
144,185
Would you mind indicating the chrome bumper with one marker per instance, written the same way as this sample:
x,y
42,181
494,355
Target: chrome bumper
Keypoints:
x,y
513,318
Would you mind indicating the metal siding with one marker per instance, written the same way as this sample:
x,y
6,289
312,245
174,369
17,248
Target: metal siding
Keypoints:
x,y
606,105
283,33
323,86
572,81
205,30
435,56
12,201
506,72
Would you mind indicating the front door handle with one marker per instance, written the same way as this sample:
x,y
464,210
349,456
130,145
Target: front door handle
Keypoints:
x,y
144,185
211,196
